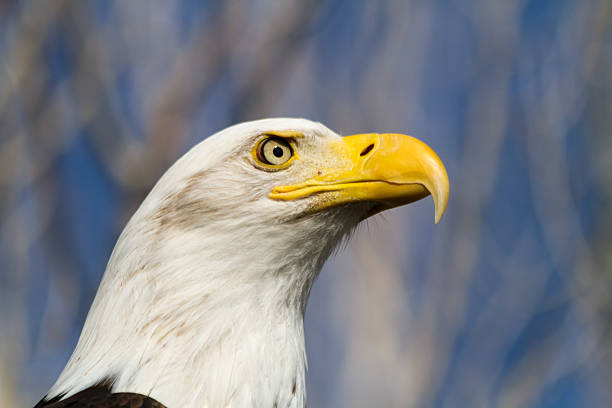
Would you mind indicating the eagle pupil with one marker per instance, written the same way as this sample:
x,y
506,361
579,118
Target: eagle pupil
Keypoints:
x,y
277,151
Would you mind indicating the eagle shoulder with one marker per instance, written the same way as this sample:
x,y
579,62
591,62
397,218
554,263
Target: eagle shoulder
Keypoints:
x,y
101,396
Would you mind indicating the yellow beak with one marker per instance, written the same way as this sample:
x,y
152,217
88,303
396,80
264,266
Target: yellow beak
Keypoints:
x,y
386,169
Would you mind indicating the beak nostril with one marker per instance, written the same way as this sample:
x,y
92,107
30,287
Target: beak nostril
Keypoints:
x,y
367,150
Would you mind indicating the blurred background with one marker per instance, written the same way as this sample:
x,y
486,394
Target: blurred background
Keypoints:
x,y
506,303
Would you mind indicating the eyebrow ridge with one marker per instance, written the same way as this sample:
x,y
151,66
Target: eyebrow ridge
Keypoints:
x,y
286,134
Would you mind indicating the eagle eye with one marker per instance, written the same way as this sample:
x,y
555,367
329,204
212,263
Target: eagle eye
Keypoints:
x,y
274,151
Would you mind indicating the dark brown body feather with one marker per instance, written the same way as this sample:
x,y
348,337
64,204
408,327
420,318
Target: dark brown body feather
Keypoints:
x,y
101,396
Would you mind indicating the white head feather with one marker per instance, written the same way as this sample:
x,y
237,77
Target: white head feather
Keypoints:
x,y
202,301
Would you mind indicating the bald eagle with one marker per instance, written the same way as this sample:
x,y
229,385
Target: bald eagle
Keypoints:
x,y
203,298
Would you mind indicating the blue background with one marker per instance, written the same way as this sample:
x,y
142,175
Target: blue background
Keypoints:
x,y
505,303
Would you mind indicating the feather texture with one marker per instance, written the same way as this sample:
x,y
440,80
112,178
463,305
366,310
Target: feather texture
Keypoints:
x,y
100,396
202,301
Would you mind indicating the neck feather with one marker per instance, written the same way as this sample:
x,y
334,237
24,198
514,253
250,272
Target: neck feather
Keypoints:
x,y
198,322
202,301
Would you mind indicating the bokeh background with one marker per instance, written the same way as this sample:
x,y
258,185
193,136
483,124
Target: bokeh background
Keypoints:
x,y
507,303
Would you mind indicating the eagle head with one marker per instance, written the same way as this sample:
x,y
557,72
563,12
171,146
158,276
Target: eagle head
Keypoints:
x,y
203,297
